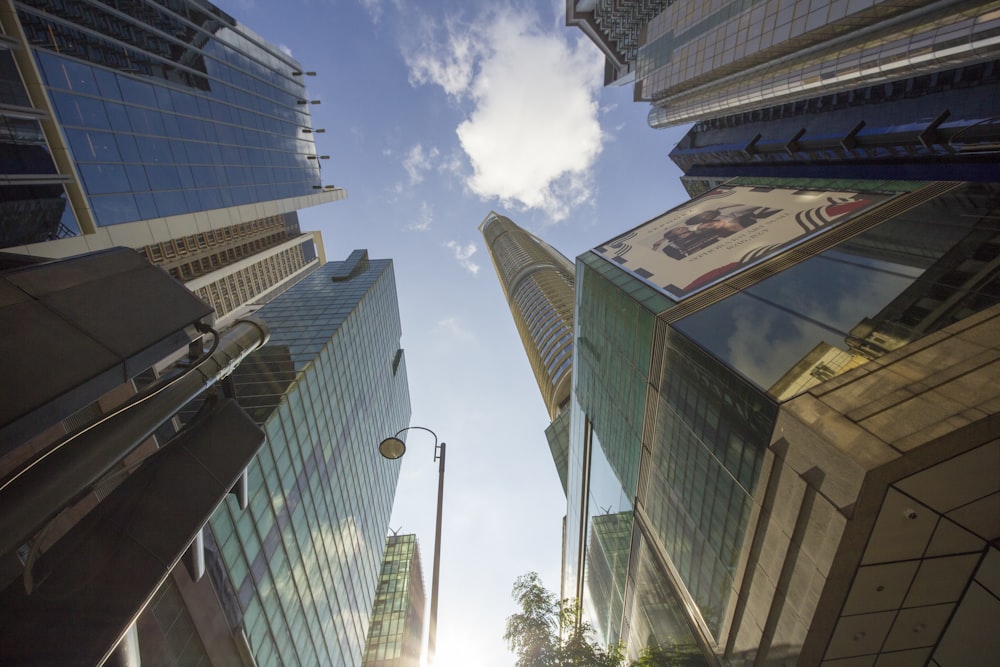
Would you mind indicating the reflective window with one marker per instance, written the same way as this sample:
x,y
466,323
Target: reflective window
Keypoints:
x,y
712,429
102,179
80,111
608,543
98,85
893,284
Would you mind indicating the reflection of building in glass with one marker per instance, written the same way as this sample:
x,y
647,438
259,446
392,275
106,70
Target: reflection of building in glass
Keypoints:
x,y
763,453
970,270
610,542
538,283
296,573
144,125
697,61
395,634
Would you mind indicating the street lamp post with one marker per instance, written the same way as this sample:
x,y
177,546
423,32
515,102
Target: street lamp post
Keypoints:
x,y
393,448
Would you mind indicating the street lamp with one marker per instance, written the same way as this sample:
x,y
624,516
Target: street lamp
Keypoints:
x,y
393,448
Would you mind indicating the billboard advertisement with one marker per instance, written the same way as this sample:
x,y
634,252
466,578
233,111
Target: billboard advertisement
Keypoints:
x,y
727,230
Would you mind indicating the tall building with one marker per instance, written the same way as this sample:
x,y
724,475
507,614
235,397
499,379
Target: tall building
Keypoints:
x,y
699,61
922,127
293,578
291,560
538,283
396,632
785,392
615,26
166,127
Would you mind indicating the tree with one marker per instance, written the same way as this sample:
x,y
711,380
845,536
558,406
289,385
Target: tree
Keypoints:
x,y
546,632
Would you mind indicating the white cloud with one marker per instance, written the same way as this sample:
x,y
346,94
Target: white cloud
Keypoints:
x,y
449,65
452,164
418,160
533,133
424,218
287,50
455,328
374,9
463,254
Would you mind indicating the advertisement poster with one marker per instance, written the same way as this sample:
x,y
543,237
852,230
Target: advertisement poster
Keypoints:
x,y
726,231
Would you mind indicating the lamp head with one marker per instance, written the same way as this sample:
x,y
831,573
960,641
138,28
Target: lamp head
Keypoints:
x,y
392,448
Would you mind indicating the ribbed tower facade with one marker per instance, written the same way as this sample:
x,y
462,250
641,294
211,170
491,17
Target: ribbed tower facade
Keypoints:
x,y
539,284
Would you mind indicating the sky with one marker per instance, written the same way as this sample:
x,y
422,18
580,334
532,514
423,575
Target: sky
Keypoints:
x,y
437,112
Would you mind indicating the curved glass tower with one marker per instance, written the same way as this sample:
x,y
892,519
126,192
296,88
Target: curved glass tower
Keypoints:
x,y
539,284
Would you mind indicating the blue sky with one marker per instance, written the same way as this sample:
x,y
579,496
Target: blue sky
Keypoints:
x,y
435,113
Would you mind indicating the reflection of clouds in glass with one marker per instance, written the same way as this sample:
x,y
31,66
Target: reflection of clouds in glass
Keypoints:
x,y
768,329
358,620
278,502
764,342
606,493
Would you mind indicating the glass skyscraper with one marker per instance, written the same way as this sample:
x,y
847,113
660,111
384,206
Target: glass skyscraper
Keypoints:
x,y
152,125
922,127
297,571
696,61
395,636
704,338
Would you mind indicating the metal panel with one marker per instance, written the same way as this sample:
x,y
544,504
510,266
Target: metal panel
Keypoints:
x,y
73,330
95,582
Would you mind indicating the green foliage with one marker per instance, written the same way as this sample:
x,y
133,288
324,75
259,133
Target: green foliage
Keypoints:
x,y
547,633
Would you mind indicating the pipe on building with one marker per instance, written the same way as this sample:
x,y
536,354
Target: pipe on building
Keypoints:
x,y
40,490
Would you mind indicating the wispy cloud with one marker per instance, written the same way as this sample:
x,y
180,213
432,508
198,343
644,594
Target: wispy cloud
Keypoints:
x,y
287,50
532,134
449,64
464,253
419,161
424,219
455,328
375,8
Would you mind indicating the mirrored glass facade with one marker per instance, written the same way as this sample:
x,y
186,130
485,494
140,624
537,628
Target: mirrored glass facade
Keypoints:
x,y
301,564
616,320
675,404
395,636
924,127
170,107
912,275
33,200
